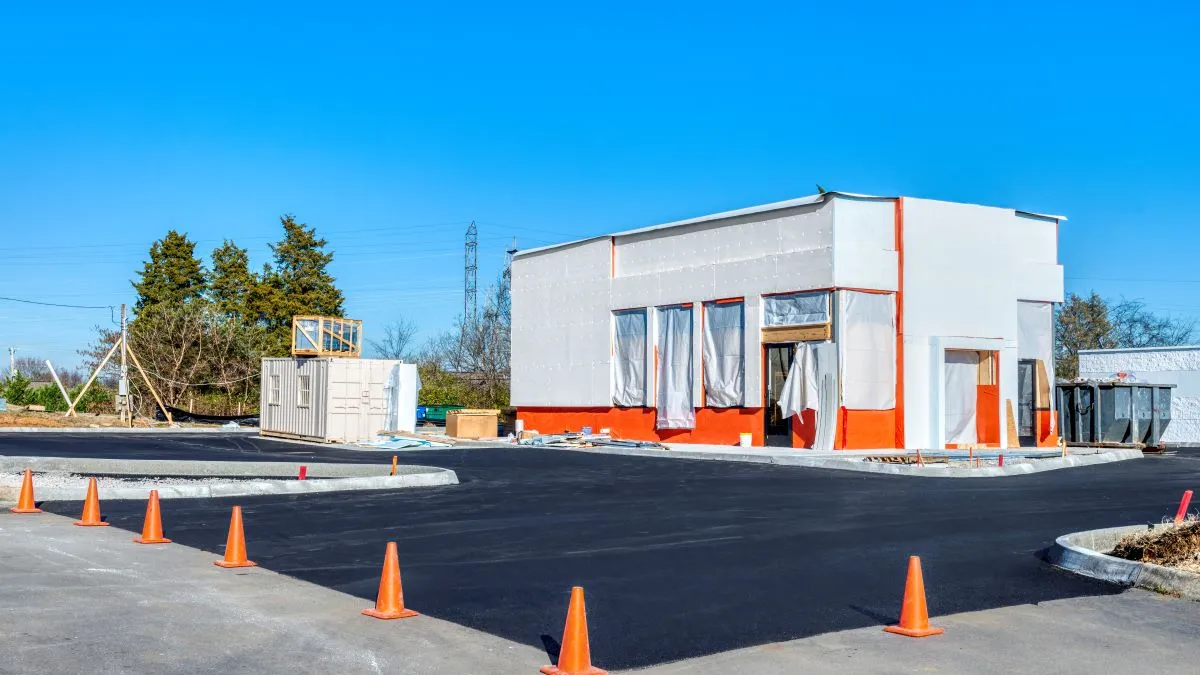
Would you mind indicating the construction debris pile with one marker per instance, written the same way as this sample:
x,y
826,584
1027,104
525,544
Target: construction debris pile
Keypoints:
x,y
582,440
403,441
1172,546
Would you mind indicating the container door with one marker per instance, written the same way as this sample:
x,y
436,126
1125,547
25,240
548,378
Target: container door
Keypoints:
x,y
1026,397
345,401
779,362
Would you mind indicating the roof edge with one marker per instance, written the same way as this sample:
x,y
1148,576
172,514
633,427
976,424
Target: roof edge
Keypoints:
x,y
750,210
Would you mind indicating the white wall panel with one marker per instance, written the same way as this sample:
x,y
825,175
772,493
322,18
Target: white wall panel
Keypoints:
x,y
864,243
965,268
561,326
727,240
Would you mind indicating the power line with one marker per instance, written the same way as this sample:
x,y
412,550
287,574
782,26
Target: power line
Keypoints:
x,y
56,304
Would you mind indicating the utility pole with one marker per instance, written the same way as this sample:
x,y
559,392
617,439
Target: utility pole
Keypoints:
x,y
12,361
470,274
123,383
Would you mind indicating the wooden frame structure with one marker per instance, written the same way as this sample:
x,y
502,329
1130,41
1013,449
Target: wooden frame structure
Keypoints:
x,y
326,336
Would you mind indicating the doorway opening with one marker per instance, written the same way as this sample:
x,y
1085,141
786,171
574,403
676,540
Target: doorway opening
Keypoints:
x,y
971,398
778,429
1026,402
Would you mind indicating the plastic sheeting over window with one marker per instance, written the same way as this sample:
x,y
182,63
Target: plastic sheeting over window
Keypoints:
x,y
800,389
629,358
959,394
675,408
1035,331
796,309
868,343
724,351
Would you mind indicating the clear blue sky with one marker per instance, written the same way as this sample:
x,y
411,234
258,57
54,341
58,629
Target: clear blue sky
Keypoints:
x,y
389,126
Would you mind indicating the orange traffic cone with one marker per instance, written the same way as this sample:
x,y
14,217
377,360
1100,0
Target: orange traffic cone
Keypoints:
x,y
152,527
389,603
25,500
235,544
914,616
575,655
91,508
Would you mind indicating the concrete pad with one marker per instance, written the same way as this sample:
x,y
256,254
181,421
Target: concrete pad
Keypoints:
x,y
253,477
88,600
1133,632
852,460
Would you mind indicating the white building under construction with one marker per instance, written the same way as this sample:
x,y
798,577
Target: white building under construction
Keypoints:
x,y
877,322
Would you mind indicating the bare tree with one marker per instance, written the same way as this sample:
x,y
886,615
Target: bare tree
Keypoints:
x,y
32,367
190,351
397,340
1133,325
477,354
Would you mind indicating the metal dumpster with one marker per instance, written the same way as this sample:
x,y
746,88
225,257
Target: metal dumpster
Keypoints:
x,y
1114,413
436,414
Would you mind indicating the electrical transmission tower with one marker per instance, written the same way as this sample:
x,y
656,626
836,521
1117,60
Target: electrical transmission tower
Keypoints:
x,y
470,274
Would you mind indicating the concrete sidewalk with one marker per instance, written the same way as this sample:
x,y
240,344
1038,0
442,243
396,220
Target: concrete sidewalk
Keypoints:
x,y
1132,632
88,600
852,460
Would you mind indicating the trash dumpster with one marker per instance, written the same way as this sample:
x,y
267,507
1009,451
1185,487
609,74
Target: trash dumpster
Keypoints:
x,y
1114,413
436,414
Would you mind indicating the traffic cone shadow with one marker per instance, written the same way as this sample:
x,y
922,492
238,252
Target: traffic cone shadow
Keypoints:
x,y
914,615
389,602
235,544
91,507
152,531
25,503
575,654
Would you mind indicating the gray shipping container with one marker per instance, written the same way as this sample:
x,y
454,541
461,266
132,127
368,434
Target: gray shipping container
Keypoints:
x,y
337,400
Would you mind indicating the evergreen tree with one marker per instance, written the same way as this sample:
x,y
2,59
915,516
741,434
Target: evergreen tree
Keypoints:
x,y
173,275
231,283
299,282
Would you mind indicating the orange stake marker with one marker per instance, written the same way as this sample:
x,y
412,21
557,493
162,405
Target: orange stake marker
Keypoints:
x,y
152,527
389,603
25,500
235,544
575,655
91,507
914,616
395,458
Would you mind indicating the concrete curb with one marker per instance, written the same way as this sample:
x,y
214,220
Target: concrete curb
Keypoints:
x,y
277,478
1079,552
797,458
127,430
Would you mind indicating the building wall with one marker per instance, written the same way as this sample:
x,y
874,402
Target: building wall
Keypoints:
x,y
563,298
965,268
1165,365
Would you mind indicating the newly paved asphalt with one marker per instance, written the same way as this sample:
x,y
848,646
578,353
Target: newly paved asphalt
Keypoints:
x,y
679,558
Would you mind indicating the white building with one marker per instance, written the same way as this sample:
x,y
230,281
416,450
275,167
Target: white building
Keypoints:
x,y
1179,366
911,319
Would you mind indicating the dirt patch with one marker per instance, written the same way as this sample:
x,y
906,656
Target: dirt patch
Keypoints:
x,y
56,420
1177,547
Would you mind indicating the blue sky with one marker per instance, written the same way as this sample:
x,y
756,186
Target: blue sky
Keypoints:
x,y
390,126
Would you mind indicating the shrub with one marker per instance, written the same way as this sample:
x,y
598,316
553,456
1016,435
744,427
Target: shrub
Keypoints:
x,y
16,389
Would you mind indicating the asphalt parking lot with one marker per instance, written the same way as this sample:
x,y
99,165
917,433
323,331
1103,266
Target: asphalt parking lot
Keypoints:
x,y
679,558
